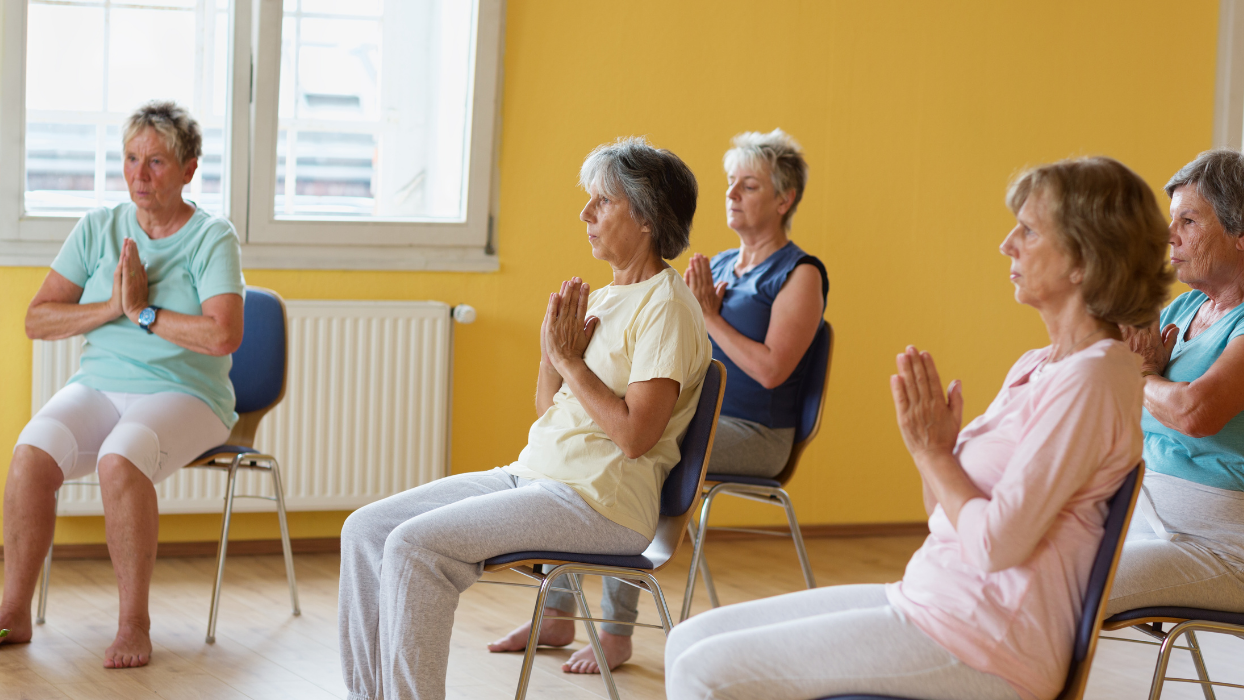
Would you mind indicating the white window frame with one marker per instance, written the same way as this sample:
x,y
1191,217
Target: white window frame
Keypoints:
x,y
1229,78
249,180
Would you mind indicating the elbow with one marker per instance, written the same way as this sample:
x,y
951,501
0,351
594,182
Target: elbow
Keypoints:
x,y
634,448
1199,423
227,346
772,380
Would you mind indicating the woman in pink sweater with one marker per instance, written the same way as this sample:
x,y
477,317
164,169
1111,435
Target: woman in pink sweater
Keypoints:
x,y
1016,499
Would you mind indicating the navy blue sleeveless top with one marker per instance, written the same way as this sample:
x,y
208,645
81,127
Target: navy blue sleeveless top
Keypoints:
x,y
747,305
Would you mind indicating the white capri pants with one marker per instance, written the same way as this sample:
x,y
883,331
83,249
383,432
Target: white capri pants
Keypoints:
x,y
160,433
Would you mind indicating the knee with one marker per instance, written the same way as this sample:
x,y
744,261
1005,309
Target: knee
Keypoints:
x,y
35,468
115,470
690,675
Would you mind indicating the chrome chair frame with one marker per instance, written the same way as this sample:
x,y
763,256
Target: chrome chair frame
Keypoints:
x,y
772,495
664,547
1167,642
236,454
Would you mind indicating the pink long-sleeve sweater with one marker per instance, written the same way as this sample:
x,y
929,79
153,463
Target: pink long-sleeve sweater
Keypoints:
x,y
1003,591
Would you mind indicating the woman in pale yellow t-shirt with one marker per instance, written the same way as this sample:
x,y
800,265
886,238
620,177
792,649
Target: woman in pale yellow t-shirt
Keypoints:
x,y
620,376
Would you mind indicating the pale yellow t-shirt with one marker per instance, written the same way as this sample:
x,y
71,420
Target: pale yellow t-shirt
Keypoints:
x,y
649,330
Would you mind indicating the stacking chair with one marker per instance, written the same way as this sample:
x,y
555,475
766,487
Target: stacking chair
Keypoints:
x,y
1187,621
258,376
1101,576
678,498
772,491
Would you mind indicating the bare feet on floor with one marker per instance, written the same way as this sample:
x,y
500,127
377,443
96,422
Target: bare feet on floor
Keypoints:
x,y
18,626
617,650
131,648
553,633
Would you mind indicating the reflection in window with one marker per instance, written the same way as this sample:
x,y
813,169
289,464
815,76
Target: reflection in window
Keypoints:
x,y
89,65
374,105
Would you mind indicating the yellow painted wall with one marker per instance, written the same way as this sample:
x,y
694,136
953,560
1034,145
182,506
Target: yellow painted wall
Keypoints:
x,y
913,116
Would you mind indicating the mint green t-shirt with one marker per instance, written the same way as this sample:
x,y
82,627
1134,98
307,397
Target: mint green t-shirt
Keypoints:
x,y
203,259
1216,460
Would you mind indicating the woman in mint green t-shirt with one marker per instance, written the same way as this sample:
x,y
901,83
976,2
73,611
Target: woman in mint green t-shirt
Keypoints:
x,y
1186,545
155,285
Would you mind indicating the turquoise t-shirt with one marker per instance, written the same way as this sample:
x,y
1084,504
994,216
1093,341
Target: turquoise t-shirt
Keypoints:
x,y
1217,460
203,259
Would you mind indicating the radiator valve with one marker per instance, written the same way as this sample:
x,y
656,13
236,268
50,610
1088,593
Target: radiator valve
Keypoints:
x,y
464,313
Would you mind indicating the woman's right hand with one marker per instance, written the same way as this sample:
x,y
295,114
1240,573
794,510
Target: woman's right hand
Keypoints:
x,y
928,420
699,278
114,303
1153,346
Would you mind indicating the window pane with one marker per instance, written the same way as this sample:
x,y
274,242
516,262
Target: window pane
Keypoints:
x,y
89,66
373,109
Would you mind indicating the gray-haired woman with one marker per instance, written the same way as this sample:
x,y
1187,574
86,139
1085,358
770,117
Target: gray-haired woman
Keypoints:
x,y
1186,544
620,375
156,287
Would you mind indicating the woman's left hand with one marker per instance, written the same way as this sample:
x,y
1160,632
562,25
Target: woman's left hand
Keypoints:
x,y
928,420
133,281
567,329
699,278
1153,346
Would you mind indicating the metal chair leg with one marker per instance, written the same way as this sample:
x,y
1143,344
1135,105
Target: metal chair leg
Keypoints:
x,y
41,615
798,537
1199,661
529,655
601,661
222,549
285,546
697,556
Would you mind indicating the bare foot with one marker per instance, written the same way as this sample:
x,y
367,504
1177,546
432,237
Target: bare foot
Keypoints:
x,y
553,633
131,648
617,650
18,626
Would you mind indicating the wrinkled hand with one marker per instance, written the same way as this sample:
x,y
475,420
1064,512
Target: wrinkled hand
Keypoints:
x,y
699,278
928,420
114,302
1154,347
567,329
133,281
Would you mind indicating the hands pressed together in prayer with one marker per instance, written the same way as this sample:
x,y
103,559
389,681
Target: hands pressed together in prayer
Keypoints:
x,y
1153,346
566,329
129,283
699,278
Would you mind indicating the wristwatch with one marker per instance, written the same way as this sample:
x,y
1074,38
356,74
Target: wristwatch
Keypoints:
x,y
146,317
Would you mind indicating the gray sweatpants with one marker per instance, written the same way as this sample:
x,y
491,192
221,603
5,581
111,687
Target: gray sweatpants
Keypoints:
x,y
826,641
406,559
1200,567
740,447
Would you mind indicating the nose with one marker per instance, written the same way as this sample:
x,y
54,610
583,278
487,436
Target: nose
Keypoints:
x,y
732,192
1008,244
585,215
1174,232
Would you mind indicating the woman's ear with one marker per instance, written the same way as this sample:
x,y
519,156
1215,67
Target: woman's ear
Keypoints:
x,y
788,201
1077,275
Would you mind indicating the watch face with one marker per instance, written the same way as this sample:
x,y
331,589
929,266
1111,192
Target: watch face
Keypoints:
x,y
146,316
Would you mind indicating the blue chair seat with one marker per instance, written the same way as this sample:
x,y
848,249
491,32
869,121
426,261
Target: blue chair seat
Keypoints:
x,y
631,561
1175,613
749,480
227,450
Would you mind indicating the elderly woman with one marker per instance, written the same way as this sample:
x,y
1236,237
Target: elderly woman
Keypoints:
x,y
620,374
1186,545
987,607
762,304
156,287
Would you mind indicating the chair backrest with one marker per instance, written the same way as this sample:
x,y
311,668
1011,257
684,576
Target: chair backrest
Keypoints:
x,y
1101,577
685,481
259,364
811,398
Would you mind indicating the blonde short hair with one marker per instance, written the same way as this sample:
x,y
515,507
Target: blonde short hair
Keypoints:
x,y
1108,221
779,152
173,123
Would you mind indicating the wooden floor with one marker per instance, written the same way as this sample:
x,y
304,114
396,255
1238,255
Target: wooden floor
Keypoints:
x,y
264,653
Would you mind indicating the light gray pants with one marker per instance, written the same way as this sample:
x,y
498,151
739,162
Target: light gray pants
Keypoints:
x,y
1200,567
740,447
810,644
406,559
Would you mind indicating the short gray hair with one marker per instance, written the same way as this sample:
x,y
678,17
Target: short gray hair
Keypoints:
x,y
659,187
173,123
778,151
1218,176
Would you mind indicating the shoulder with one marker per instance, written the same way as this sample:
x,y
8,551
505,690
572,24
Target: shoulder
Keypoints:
x,y
1185,303
214,228
101,218
671,295
1108,365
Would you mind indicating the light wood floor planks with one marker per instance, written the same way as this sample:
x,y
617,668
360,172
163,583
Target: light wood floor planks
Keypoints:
x,y
264,653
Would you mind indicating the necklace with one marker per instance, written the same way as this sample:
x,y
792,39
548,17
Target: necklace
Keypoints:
x,y
1047,361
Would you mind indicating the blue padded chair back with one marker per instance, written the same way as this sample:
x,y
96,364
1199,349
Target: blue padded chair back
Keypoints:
x,y
258,372
814,386
682,486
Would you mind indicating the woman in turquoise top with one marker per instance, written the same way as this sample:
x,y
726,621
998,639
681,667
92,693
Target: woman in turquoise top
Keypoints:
x,y
763,303
1186,545
155,285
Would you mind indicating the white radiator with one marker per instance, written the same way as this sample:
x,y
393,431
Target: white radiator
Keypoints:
x,y
365,414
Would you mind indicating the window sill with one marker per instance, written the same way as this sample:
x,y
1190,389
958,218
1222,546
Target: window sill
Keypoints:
x,y
297,257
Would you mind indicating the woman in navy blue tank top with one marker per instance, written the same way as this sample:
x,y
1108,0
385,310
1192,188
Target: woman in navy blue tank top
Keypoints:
x,y
763,303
